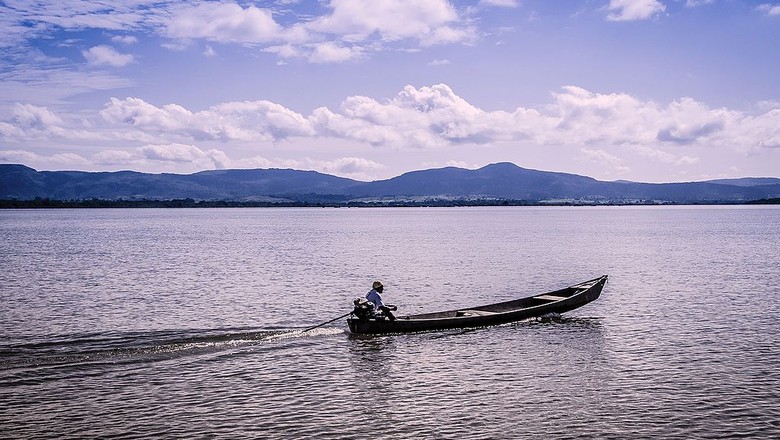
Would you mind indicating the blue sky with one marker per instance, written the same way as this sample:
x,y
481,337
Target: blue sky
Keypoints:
x,y
643,90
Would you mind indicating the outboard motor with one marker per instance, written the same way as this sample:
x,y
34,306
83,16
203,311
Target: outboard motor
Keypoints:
x,y
364,308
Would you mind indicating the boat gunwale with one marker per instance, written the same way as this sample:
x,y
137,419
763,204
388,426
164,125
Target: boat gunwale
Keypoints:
x,y
591,283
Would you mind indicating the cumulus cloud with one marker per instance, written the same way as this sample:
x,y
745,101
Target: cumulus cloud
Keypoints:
x,y
244,121
435,117
35,122
431,117
420,118
630,10
392,20
224,22
348,23
354,167
32,116
31,122
106,55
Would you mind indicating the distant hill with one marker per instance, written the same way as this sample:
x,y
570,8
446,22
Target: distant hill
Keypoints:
x,y
506,180
502,180
21,182
496,181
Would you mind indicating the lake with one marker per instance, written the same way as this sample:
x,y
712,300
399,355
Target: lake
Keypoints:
x,y
185,323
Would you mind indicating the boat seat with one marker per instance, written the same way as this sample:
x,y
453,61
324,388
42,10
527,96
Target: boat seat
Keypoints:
x,y
473,313
550,297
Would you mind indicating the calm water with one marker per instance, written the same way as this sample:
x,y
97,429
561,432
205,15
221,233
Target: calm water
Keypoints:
x,y
186,323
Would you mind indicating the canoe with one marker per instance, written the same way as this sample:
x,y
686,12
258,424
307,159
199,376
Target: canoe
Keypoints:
x,y
558,301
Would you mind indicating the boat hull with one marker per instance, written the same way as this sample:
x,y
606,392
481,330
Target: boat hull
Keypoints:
x,y
559,301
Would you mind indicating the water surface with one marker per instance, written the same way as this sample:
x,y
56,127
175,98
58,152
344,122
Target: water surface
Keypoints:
x,y
186,323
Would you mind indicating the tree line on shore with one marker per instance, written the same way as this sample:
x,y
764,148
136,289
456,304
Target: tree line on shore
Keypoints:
x,y
45,203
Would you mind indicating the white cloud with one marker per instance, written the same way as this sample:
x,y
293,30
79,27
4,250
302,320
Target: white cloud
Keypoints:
x,y
391,19
500,3
461,164
767,105
439,62
662,156
181,153
425,117
28,122
697,3
124,39
333,53
69,160
115,157
284,51
31,116
762,131
35,160
18,156
428,117
688,120
171,152
10,131
209,51
630,10
615,164
224,22
167,155
355,167
106,55
449,35
769,9
244,121
139,113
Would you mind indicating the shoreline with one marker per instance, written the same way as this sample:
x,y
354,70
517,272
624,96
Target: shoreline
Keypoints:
x,y
431,203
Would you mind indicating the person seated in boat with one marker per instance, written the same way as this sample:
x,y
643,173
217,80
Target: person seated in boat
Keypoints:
x,y
375,297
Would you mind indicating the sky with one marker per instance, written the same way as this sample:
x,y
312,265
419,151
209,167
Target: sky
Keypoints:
x,y
640,90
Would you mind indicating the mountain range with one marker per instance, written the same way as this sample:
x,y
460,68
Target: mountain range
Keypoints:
x,y
499,181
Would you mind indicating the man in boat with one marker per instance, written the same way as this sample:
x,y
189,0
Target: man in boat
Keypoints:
x,y
375,297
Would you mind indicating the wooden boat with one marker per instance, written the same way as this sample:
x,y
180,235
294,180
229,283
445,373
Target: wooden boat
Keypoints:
x,y
558,301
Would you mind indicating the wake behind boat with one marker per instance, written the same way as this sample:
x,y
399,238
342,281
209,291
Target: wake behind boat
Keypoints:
x,y
558,301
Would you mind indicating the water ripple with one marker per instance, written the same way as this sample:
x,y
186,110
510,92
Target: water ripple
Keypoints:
x,y
188,324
